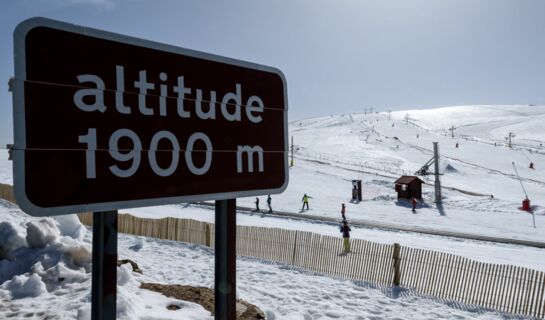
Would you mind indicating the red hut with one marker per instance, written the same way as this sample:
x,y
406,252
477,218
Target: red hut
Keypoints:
x,y
408,187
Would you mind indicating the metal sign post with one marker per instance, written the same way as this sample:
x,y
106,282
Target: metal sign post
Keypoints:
x,y
104,283
225,255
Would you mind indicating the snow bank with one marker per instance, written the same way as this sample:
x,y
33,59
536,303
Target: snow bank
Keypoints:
x,y
43,251
76,252
138,244
50,262
24,286
124,274
10,239
42,232
69,225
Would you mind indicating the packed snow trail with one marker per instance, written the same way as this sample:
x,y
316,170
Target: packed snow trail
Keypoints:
x,y
389,226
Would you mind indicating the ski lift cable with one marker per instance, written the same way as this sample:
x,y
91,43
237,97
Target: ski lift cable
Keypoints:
x,y
527,157
516,171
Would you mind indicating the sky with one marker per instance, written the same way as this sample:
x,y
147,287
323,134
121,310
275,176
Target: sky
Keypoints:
x,y
341,56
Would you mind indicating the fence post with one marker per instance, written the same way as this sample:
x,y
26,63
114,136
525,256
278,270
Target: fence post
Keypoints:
x,y
294,249
397,264
208,240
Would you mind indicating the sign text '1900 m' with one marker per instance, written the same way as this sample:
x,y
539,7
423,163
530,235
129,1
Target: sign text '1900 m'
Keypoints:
x,y
230,107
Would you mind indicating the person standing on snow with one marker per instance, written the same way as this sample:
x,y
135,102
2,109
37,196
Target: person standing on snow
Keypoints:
x,y
413,202
305,202
343,210
345,229
256,204
269,201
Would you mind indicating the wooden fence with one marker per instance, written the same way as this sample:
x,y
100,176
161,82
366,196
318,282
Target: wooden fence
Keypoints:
x,y
6,192
446,276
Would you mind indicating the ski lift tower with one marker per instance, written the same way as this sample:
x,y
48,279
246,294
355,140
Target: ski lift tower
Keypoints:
x,y
438,196
425,171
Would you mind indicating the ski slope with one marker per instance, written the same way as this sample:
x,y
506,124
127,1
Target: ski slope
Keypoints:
x,y
333,150
377,148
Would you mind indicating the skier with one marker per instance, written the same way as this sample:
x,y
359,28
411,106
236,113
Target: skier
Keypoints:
x,y
256,204
305,202
531,165
269,201
345,229
343,209
456,144
413,202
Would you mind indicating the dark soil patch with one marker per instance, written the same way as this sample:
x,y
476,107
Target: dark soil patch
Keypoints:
x,y
204,297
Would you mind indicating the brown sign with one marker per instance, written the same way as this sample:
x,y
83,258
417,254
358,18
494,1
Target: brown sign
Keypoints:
x,y
104,121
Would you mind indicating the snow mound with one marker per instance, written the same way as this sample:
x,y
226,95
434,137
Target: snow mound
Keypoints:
x,y
69,225
84,313
124,274
43,251
138,244
76,252
62,274
41,233
10,239
24,286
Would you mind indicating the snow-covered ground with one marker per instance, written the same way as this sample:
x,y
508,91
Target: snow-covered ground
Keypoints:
x,y
331,151
476,166
56,271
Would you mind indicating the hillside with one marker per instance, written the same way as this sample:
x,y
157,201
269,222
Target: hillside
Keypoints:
x,y
330,152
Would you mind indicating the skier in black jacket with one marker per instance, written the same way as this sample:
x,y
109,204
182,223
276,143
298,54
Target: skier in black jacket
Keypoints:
x,y
345,229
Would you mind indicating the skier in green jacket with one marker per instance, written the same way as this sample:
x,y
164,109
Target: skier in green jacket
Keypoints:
x,y
305,202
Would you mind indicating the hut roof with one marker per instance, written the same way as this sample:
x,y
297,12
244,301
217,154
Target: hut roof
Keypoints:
x,y
407,179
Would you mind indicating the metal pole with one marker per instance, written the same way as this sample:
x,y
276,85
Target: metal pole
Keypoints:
x,y
104,282
438,197
225,254
291,163
520,180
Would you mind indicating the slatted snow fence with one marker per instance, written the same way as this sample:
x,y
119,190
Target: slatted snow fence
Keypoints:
x,y
446,276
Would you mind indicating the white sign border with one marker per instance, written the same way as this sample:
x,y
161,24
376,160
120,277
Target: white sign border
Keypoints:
x,y
19,36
